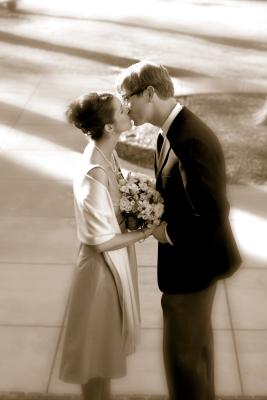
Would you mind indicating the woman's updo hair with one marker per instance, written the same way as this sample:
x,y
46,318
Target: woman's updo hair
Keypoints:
x,y
90,113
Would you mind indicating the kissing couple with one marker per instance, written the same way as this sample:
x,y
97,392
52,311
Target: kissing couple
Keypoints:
x,y
196,246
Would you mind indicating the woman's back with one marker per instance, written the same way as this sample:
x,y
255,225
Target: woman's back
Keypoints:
x,y
89,188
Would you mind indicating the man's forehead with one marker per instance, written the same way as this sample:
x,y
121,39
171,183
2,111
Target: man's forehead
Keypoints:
x,y
124,92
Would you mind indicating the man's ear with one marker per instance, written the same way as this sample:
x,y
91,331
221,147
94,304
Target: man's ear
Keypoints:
x,y
150,93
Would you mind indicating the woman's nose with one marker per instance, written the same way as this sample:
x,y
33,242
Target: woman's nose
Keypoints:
x,y
127,108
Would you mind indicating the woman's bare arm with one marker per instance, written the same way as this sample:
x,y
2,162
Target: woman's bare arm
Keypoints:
x,y
124,239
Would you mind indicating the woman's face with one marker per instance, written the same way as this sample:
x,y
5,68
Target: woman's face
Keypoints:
x,y
121,119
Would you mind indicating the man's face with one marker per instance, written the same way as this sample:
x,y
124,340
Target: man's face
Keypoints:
x,y
137,104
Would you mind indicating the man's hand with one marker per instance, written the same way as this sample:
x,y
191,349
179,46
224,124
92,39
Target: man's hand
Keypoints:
x,y
160,233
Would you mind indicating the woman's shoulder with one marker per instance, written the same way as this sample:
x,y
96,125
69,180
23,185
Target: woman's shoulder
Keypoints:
x,y
91,187
91,166
89,175
98,173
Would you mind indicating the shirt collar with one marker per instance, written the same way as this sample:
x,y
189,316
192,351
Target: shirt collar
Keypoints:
x,y
175,111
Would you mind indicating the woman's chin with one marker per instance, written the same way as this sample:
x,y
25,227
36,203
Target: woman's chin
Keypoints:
x,y
138,123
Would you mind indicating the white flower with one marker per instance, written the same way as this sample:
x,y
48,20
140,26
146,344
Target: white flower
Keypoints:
x,y
124,189
122,182
125,204
134,188
143,186
140,197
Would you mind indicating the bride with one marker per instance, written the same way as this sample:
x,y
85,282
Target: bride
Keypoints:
x,y
104,319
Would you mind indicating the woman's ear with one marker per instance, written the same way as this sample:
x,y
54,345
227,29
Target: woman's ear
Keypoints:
x,y
150,93
108,128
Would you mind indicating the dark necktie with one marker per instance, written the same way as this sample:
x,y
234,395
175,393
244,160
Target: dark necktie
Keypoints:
x,y
159,142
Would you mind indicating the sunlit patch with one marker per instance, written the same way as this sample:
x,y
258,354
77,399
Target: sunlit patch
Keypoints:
x,y
262,188
39,155
49,164
18,140
4,129
251,233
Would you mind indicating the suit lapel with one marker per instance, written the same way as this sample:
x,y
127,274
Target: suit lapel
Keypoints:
x,y
163,155
172,135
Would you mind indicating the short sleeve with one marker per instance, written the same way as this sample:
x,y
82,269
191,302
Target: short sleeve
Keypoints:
x,y
94,212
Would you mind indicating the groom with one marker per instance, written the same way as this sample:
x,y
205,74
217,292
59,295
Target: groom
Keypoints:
x,y
196,245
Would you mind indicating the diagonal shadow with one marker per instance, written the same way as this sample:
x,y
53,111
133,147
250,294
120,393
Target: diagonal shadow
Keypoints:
x,y
241,43
73,51
105,58
253,202
28,192
60,134
22,13
25,66
11,170
58,48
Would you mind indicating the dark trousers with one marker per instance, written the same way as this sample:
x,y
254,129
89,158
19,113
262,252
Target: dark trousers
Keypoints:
x,y
188,344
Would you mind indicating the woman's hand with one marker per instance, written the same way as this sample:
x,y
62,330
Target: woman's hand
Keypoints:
x,y
147,232
125,239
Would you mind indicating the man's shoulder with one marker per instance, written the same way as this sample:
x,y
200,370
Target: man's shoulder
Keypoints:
x,y
183,126
187,126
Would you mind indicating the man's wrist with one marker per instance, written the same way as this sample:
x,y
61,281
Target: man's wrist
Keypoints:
x,y
167,236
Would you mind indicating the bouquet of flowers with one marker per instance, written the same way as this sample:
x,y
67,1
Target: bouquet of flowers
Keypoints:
x,y
140,201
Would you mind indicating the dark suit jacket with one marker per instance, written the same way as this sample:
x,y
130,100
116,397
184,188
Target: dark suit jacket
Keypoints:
x,y
204,247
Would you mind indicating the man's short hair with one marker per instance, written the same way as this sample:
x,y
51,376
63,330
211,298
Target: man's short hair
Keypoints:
x,y
143,74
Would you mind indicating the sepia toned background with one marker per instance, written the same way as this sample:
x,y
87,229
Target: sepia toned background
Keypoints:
x,y
51,52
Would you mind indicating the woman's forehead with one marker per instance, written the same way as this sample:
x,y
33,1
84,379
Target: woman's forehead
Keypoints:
x,y
116,101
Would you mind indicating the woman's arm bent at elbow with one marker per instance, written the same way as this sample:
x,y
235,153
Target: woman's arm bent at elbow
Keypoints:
x,y
124,239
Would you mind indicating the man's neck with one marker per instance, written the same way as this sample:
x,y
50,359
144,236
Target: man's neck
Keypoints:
x,y
162,111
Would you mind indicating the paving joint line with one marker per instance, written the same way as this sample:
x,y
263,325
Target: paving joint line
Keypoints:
x,y
234,338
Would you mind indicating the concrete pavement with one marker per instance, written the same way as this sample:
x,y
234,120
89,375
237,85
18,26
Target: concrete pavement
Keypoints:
x,y
38,247
38,154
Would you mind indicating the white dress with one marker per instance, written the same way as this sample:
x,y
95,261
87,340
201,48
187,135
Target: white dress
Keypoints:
x,y
103,322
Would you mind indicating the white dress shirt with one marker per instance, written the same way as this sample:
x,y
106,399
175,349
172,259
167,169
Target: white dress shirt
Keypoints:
x,y
173,114
164,130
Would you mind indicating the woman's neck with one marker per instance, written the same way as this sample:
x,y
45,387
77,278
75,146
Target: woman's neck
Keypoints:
x,y
106,147
103,154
